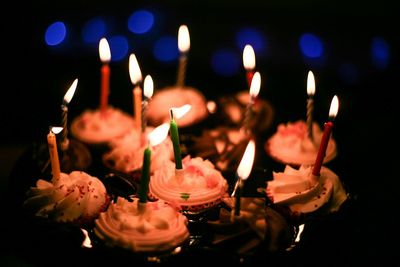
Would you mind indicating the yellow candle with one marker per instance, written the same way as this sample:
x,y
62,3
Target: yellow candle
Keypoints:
x,y
136,77
55,163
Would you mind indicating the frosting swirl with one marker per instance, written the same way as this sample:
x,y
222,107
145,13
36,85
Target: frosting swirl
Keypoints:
x,y
77,197
126,153
142,227
291,144
303,193
93,127
197,187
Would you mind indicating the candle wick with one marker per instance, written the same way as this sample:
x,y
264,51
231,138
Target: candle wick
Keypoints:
x,y
171,113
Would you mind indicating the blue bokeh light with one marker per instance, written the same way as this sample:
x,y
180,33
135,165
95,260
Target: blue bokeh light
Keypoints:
x,y
226,62
311,45
140,21
166,49
253,37
55,33
93,30
119,47
380,52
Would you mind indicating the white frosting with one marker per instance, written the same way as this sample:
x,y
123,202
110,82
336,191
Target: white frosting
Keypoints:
x,y
126,153
199,186
305,193
93,127
291,144
163,100
76,197
142,227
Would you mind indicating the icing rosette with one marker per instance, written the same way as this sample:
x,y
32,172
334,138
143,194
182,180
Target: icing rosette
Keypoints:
x,y
196,187
95,127
304,193
126,153
142,227
164,99
291,144
77,197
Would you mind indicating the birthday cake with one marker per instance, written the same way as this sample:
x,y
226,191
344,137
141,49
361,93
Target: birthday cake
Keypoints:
x,y
292,145
76,198
169,97
126,153
97,127
196,187
151,227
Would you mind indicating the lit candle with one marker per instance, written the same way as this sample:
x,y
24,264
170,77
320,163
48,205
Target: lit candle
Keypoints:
x,y
105,57
326,136
52,144
148,93
183,45
243,172
64,114
136,77
155,137
254,90
310,102
174,132
249,62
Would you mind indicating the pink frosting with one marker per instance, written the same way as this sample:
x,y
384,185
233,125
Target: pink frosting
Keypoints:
x,y
142,227
126,153
76,197
93,127
291,144
198,186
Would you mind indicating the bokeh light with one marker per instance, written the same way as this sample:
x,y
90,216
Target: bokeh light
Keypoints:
x,y
380,52
55,33
140,21
93,30
311,45
166,49
254,37
119,47
226,62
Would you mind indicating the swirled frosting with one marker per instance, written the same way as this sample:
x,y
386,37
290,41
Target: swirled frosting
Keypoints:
x,y
142,227
197,187
94,127
126,153
304,193
77,197
291,144
164,99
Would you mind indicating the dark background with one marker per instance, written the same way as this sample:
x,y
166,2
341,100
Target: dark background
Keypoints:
x,y
35,77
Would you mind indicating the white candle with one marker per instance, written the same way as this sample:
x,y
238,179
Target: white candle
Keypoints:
x,y
183,45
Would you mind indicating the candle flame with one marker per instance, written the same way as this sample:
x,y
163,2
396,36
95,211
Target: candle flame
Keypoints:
x,y
134,69
333,110
87,243
255,84
159,134
180,112
148,86
104,50
310,84
249,57
211,106
183,39
56,130
246,164
71,91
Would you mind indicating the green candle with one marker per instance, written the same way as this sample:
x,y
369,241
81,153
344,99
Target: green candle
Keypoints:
x,y
175,141
145,178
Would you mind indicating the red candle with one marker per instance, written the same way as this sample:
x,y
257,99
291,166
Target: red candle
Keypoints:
x,y
326,136
105,56
249,62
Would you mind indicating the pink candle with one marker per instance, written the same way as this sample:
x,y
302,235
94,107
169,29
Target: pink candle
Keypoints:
x,y
105,57
325,137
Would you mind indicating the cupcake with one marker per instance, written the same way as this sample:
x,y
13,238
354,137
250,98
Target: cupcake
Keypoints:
x,y
76,198
151,227
306,194
126,153
164,99
197,187
95,127
292,145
